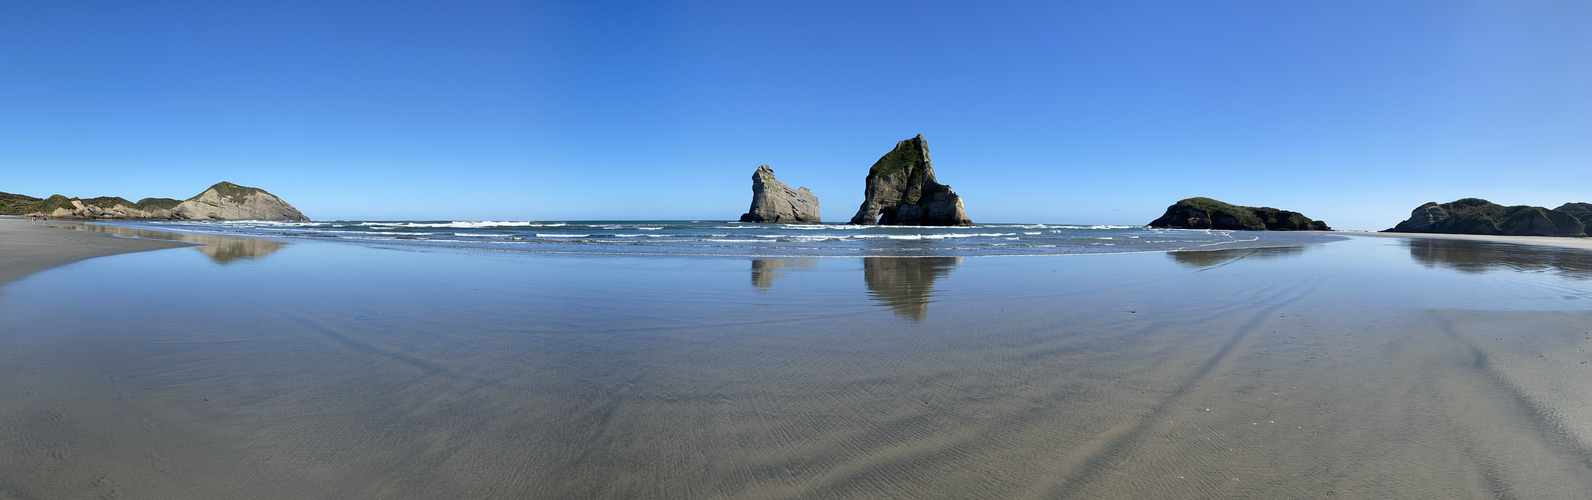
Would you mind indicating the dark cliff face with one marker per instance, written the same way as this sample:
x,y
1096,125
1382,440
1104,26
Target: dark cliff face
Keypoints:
x,y
901,190
1478,216
1206,213
1581,211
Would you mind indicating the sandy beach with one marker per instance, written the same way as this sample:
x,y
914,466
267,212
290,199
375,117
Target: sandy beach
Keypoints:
x,y
1377,367
29,246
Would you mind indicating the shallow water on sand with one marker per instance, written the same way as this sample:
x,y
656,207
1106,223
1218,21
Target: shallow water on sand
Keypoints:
x,y
1368,368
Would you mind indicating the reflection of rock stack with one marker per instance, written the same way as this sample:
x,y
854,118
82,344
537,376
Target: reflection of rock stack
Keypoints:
x,y
221,249
224,250
905,283
765,270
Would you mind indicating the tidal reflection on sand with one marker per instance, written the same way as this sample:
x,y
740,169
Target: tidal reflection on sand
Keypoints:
x,y
765,271
1211,258
220,249
1346,370
904,284
1481,257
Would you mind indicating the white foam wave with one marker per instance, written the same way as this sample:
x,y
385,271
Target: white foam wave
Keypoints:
x,y
464,224
933,236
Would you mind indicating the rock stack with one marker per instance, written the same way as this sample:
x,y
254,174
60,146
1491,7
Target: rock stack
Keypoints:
x,y
773,201
1206,213
901,190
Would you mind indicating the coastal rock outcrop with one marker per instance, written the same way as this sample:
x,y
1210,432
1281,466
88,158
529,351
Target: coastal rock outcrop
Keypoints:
x,y
901,190
228,201
773,201
1478,216
1206,213
223,201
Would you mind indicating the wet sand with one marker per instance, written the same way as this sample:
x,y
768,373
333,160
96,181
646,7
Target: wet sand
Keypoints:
x,y
28,246
1369,368
1582,243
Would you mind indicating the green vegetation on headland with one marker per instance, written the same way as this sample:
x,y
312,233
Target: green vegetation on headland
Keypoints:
x,y
228,201
16,204
165,203
1581,211
107,202
1478,216
230,191
1206,213
55,201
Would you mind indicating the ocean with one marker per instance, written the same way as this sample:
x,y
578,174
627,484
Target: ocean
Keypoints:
x,y
721,238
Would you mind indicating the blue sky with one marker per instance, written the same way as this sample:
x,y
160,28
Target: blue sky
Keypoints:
x,y
1067,112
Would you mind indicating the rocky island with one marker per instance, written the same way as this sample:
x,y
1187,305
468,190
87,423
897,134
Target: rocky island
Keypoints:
x,y
223,201
901,190
1206,213
773,201
1478,216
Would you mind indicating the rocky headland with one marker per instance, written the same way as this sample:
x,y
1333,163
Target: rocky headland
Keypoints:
x,y
223,201
901,190
1206,213
1478,216
773,201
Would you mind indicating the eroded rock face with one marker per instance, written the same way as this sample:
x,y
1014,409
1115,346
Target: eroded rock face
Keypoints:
x,y
1422,219
901,190
228,201
1478,216
1206,213
773,201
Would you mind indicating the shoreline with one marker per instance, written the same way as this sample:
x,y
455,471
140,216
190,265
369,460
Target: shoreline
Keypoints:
x,y
1546,241
27,247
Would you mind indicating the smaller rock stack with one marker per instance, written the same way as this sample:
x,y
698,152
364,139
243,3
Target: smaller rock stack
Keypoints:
x,y
773,201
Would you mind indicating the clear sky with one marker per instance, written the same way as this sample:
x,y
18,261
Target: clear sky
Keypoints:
x,y
1054,111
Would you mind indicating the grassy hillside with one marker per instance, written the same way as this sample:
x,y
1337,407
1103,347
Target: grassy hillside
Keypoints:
x,y
166,203
17,204
1582,211
230,191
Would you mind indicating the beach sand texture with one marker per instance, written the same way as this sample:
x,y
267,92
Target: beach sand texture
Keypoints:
x,y
28,246
1369,368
